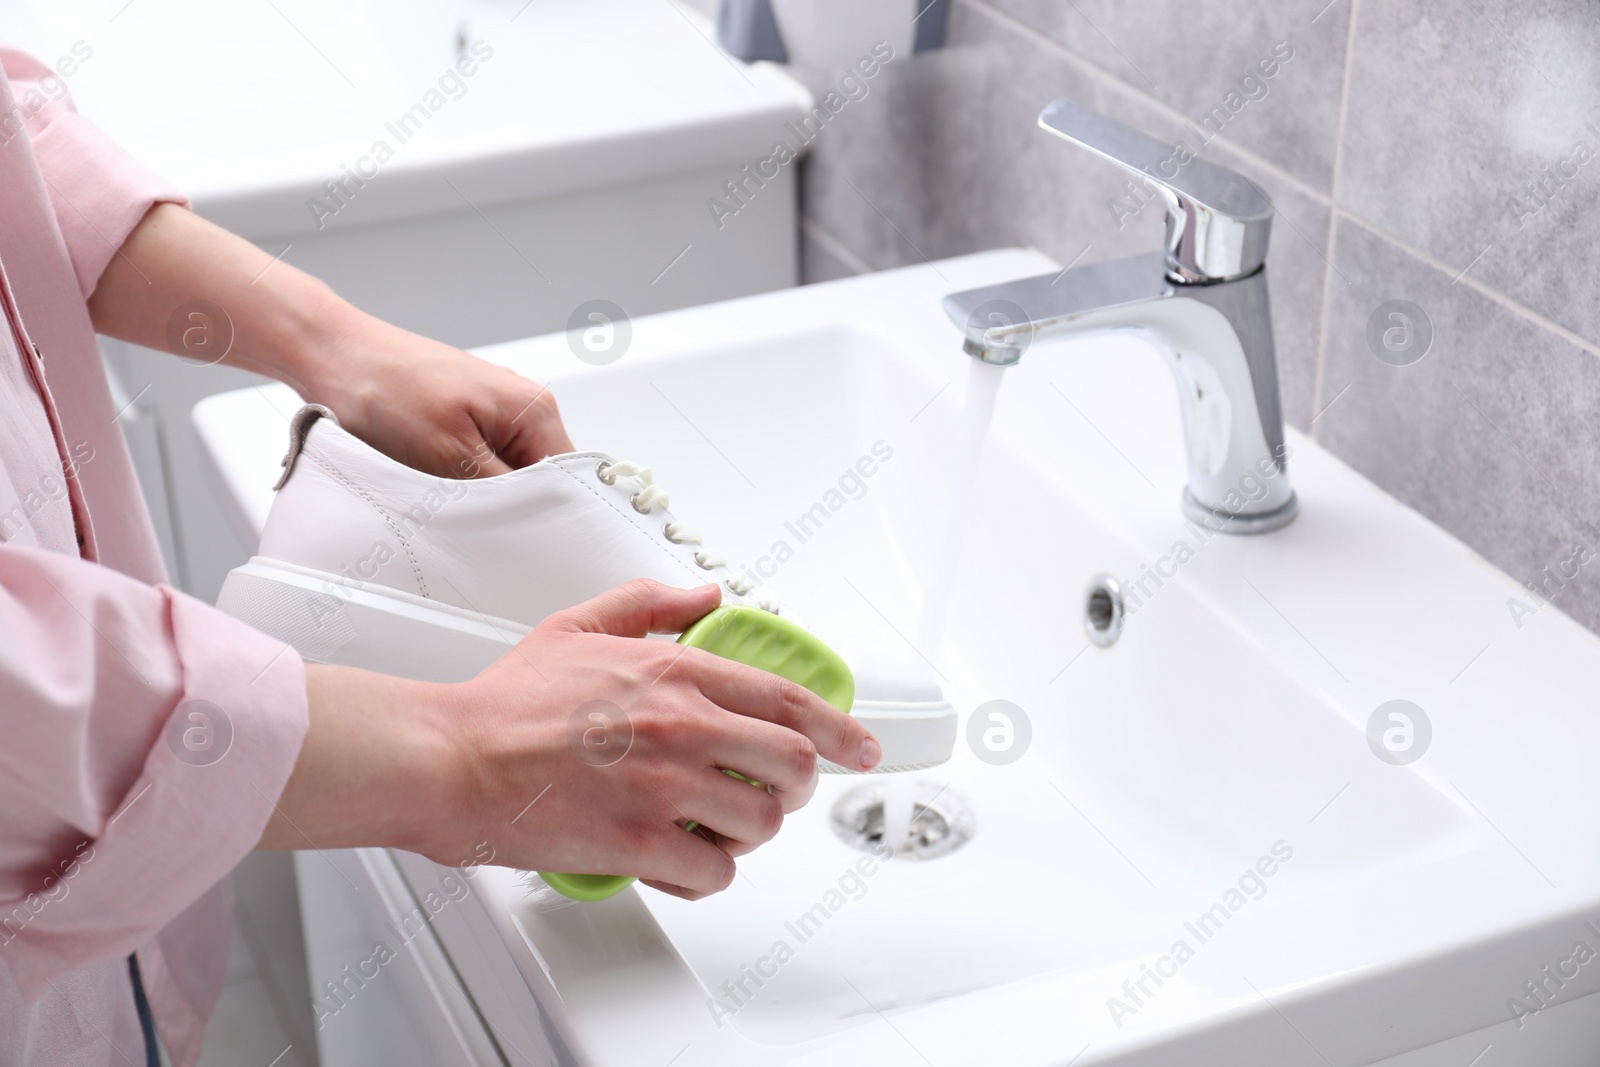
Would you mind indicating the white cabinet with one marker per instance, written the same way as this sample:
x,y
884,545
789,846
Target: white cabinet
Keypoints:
x,y
383,990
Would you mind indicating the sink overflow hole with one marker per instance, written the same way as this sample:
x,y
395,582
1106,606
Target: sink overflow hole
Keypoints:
x,y
1103,610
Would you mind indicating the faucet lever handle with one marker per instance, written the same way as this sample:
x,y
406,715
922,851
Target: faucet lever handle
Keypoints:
x,y
1218,221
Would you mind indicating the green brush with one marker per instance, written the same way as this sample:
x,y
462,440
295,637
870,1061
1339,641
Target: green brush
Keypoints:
x,y
760,639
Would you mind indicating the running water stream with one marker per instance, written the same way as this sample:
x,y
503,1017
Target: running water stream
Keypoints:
x,y
949,525
897,810
950,522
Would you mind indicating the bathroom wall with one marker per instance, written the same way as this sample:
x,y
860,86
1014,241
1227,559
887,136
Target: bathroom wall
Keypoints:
x,y
1444,153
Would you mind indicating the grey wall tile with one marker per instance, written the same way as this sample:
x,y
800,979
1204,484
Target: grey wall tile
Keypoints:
x,y
1492,434
1192,56
944,157
1455,105
858,160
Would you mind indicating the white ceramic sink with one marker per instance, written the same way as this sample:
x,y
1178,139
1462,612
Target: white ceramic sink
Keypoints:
x,y
1405,903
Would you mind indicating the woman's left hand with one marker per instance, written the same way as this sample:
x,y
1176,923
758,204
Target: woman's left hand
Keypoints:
x,y
431,406
428,405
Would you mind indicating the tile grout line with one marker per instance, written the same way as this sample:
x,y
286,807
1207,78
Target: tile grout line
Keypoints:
x,y
1320,372
835,247
1510,304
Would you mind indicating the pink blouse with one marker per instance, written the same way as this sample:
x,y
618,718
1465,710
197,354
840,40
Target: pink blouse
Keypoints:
x,y
145,734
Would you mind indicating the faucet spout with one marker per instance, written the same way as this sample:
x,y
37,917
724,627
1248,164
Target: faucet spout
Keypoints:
x,y
1217,341
1202,303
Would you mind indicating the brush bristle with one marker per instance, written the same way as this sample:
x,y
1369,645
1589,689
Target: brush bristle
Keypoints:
x,y
827,767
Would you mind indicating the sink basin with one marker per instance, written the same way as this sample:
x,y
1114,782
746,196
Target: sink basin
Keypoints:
x,y
1199,857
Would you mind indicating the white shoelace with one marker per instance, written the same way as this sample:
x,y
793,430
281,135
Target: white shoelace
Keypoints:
x,y
649,497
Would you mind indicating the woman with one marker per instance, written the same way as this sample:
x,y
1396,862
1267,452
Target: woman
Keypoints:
x,y
114,911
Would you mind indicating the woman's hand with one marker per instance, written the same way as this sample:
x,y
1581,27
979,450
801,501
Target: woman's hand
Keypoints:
x,y
583,750
426,404
431,406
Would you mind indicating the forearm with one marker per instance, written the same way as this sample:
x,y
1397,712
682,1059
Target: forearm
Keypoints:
x,y
376,767
426,404
278,318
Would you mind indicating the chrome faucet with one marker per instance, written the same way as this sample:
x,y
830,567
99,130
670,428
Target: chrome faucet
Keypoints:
x,y
1202,303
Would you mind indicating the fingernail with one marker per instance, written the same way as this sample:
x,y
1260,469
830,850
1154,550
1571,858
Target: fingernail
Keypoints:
x,y
871,753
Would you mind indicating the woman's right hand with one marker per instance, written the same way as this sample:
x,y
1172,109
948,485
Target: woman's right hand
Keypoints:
x,y
584,749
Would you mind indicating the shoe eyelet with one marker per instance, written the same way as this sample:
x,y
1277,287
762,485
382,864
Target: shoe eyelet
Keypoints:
x,y
700,561
603,472
669,531
634,500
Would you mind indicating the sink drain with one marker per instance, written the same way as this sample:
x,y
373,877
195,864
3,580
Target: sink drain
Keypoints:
x,y
1103,611
919,820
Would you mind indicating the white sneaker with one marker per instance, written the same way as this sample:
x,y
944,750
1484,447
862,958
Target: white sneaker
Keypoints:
x,y
368,563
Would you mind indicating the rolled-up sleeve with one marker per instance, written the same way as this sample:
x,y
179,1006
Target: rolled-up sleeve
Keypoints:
x,y
98,192
147,738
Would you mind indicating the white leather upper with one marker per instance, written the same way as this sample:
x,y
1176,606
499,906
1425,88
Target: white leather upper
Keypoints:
x,y
518,546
